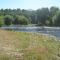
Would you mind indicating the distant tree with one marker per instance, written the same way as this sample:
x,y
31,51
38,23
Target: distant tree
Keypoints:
x,y
1,21
8,20
21,20
56,19
42,15
16,20
53,11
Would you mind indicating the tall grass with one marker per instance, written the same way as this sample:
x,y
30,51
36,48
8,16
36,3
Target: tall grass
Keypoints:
x,y
28,46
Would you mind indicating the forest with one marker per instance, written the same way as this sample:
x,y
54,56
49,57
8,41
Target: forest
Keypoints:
x,y
41,17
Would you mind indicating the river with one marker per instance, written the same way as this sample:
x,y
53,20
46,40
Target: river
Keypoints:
x,y
55,31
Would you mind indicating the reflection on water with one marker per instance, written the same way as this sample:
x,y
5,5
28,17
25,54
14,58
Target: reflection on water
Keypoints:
x,y
46,30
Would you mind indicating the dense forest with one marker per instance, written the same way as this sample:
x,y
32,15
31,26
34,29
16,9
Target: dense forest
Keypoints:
x,y
41,17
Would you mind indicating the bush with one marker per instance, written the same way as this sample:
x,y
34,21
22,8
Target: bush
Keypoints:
x,y
8,20
1,20
22,20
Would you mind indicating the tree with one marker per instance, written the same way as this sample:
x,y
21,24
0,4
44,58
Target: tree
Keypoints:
x,y
53,11
8,20
1,21
56,19
22,20
42,15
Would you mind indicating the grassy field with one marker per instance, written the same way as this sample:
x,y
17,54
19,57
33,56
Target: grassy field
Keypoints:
x,y
27,46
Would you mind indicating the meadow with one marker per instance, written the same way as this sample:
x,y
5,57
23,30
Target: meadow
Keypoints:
x,y
28,46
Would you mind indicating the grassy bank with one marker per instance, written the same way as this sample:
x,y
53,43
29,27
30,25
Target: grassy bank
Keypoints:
x,y
27,46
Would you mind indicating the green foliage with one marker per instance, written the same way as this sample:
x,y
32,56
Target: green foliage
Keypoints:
x,y
21,20
8,20
1,20
56,19
43,16
53,11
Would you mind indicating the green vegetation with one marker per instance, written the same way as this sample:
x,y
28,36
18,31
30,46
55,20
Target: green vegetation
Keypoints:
x,y
28,46
8,20
22,20
1,21
56,19
42,17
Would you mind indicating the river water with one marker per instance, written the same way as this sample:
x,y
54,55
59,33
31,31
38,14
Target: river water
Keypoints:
x,y
55,31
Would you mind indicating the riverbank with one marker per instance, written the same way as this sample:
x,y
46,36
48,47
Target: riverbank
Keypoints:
x,y
27,46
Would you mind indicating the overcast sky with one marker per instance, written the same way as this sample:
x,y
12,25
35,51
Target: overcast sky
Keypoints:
x,y
28,4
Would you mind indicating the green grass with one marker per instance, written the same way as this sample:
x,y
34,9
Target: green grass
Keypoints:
x,y
27,46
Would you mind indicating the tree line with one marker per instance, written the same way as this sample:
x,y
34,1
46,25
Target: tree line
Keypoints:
x,y
41,17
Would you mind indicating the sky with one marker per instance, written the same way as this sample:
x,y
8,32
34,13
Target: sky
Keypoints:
x,y
28,4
